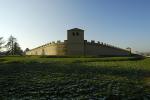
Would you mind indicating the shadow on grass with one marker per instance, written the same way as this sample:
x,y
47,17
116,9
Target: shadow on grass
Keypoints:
x,y
71,68
2,60
20,79
109,60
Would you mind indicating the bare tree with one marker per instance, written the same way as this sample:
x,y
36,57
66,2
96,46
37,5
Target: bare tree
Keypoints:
x,y
17,49
10,44
27,49
13,47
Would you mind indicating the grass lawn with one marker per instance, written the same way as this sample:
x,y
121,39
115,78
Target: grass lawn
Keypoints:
x,y
111,78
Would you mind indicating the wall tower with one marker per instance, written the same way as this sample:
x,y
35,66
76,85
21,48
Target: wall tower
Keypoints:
x,y
75,41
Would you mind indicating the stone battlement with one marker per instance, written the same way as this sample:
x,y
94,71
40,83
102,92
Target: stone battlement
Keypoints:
x,y
100,44
76,45
58,42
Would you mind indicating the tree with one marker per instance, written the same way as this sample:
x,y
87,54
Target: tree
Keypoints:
x,y
27,49
10,45
13,47
17,49
1,43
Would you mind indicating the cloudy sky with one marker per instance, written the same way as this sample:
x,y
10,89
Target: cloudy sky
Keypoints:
x,y
123,23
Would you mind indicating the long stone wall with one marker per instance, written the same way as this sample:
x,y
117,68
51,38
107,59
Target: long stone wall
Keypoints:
x,y
76,45
53,48
97,49
90,49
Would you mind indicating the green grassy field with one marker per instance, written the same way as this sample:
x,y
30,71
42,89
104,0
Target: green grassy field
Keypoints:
x,y
45,78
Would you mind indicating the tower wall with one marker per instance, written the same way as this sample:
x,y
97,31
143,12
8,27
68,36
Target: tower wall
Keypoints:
x,y
75,42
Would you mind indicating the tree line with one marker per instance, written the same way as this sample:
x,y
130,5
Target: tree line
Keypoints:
x,y
10,47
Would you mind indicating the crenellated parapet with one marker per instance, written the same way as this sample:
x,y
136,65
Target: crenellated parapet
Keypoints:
x,y
53,43
101,44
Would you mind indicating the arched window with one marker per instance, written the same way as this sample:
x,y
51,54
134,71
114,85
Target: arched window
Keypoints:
x,y
73,34
77,33
43,52
36,53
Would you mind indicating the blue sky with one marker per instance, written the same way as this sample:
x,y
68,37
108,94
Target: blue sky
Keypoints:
x,y
123,23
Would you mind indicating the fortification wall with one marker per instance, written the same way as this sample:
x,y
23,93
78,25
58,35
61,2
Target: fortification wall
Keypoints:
x,y
53,48
95,49
90,49
75,49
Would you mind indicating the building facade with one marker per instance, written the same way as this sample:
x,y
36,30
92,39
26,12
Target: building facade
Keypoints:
x,y
76,45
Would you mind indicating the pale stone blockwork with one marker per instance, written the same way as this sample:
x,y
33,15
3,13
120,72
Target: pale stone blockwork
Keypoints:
x,y
76,45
